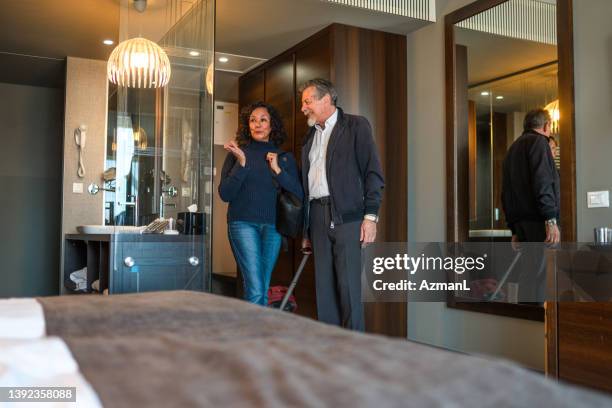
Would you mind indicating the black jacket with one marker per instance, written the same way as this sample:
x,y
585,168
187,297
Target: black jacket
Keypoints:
x,y
530,190
352,165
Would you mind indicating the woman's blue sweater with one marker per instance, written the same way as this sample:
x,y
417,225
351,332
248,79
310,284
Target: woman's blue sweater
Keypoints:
x,y
250,190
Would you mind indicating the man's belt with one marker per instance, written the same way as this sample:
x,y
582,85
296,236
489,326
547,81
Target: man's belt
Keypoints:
x,y
322,200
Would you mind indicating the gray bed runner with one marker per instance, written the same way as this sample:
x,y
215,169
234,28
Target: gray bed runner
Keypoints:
x,y
189,349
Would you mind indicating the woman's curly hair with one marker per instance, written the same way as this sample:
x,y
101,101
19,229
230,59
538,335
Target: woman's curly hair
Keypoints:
x,y
277,132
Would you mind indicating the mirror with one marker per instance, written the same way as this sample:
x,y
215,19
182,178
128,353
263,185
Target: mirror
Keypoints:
x,y
131,196
501,61
505,65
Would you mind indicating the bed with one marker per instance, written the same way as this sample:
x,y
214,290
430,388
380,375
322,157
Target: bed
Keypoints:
x,y
191,349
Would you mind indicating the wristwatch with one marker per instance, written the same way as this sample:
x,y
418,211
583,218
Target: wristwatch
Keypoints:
x,y
371,217
551,222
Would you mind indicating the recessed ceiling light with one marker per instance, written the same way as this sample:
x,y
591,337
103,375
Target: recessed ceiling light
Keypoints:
x,y
499,97
194,53
485,93
108,42
223,59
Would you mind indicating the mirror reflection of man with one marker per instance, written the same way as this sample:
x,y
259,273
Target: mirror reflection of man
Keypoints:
x,y
531,190
343,183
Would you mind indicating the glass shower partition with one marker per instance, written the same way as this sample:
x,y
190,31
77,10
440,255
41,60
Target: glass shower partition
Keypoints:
x,y
159,154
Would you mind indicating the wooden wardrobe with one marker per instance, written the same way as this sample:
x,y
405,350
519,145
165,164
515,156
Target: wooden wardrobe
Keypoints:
x,y
368,69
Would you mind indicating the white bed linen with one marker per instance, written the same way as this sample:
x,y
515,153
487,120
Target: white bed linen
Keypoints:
x,y
44,362
21,319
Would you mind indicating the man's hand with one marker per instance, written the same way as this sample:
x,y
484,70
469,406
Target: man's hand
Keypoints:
x,y
306,246
516,244
553,235
368,232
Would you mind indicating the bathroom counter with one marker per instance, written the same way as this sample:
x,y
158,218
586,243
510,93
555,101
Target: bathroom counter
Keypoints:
x,y
134,237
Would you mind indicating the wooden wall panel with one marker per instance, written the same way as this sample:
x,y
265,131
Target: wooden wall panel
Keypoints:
x,y
473,152
585,344
251,88
370,76
279,92
462,140
312,60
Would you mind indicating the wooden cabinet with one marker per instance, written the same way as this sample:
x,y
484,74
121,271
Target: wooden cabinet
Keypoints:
x,y
368,69
579,333
579,343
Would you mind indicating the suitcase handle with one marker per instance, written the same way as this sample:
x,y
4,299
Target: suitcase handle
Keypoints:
x,y
296,277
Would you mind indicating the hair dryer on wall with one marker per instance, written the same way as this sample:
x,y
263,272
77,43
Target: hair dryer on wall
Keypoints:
x,y
80,137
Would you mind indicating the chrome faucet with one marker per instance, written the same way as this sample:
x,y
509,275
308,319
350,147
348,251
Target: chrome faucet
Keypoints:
x,y
93,189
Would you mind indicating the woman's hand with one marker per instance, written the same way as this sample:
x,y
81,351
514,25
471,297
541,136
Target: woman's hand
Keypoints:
x,y
272,159
233,148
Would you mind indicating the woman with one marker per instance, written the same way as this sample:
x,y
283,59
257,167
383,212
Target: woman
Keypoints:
x,y
252,173
552,143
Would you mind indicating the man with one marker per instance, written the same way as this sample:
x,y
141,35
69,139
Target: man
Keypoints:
x,y
343,183
530,191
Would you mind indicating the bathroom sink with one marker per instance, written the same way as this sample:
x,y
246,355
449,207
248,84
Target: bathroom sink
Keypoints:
x,y
109,229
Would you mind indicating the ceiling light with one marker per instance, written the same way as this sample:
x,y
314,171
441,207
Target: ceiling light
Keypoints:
x,y
485,93
499,97
223,59
108,42
553,110
139,63
194,53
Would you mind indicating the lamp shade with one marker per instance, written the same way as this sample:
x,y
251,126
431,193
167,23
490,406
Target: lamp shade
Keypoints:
x,y
210,78
139,63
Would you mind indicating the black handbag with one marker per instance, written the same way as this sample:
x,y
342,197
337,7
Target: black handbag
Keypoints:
x,y
289,213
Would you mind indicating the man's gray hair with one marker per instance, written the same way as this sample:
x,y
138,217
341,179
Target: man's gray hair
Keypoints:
x,y
536,119
323,87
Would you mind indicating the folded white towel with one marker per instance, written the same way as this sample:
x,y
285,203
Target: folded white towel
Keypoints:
x,y
45,362
79,276
21,319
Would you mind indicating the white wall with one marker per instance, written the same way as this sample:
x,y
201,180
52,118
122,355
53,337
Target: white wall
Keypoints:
x,y
434,323
593,110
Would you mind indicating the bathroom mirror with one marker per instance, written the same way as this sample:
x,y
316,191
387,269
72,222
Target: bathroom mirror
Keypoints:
x,y
133,178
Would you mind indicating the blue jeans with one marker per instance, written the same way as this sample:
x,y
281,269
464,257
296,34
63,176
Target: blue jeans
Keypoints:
x,y
256,247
